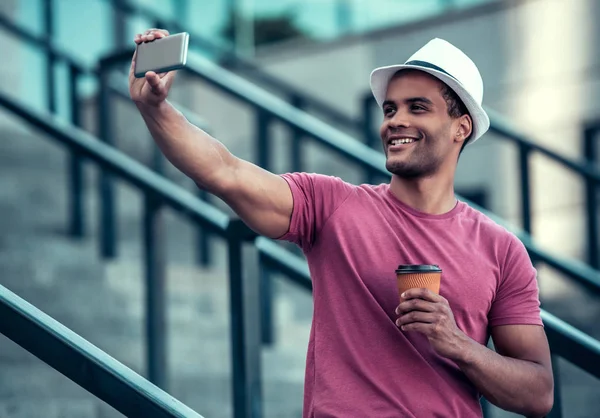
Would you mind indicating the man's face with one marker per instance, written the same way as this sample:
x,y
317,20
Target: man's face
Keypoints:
x,y
417,131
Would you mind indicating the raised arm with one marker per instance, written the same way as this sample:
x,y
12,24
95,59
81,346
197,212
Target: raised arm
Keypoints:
x,y
262,199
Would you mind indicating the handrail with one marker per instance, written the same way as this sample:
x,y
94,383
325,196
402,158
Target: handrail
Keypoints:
x,y
572,344
125,167
228,54
502,127
84,363
343,144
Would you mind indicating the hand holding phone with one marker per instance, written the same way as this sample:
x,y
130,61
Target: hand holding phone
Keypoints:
x,y
157,55
161,53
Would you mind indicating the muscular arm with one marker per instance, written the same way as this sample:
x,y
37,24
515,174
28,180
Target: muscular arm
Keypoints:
x,y
262,199
518,377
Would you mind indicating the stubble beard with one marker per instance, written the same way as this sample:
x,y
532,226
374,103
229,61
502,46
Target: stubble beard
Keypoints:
x,y
413,168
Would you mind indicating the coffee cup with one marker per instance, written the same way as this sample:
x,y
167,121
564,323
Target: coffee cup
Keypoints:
x,y
410,276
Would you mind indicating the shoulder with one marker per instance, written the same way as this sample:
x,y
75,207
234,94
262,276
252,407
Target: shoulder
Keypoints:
x,y
318,187
496,234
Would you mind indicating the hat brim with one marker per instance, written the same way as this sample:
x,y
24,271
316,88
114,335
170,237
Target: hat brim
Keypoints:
x,y
380,78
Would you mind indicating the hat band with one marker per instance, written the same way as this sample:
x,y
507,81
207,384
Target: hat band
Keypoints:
x,y
430,66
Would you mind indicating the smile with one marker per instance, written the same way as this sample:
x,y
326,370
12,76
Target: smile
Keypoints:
x,y
401,141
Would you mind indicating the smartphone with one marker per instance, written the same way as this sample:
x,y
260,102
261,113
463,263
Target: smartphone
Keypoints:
x,y
162,55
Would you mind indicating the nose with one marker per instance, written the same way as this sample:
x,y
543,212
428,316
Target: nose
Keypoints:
x,y
399,120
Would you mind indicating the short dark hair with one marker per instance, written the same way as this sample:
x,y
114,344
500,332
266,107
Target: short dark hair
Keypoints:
x,y
456,107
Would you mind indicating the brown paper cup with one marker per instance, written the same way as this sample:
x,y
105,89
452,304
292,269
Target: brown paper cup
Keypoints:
x,y
418,276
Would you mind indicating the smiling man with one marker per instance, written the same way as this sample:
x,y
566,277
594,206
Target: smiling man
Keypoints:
x,y
372,352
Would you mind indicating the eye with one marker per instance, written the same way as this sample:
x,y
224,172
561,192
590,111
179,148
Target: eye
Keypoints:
x,y
417,108
388,110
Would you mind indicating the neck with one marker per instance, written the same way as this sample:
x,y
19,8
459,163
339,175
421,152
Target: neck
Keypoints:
x,y
433,195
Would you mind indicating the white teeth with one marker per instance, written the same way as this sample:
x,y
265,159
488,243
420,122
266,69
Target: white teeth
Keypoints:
x,y
402,141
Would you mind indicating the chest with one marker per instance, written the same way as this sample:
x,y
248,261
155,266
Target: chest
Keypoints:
x,y
373,248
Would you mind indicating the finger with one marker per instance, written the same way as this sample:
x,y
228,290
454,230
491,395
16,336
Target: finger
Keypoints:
x,y
138,38
415,305
419,327
154,81
416,316
152,34
420,293
156,30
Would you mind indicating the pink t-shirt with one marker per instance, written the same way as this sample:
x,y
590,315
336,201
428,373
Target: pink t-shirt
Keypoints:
x,y
359,363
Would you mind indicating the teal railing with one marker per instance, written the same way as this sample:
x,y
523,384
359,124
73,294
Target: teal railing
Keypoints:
x,y
83,363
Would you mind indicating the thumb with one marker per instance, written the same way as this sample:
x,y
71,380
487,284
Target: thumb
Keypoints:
x,y
153,80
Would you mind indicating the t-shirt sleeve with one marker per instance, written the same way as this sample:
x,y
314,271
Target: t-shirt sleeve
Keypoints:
x,y
316,198
517,298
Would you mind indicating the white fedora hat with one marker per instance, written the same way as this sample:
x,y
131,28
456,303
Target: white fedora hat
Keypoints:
x,y
443,60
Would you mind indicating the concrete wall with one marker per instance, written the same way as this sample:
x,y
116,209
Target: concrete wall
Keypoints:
x,y
540,70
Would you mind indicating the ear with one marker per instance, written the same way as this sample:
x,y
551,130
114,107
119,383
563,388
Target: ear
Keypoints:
x,y
464,128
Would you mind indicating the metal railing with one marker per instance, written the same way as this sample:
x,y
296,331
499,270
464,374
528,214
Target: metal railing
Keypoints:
x,y
84,363
565,340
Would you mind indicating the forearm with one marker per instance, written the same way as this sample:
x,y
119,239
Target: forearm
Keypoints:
x,y
515,385
198,155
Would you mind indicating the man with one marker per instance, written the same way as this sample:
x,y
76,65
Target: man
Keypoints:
x,y
369,356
